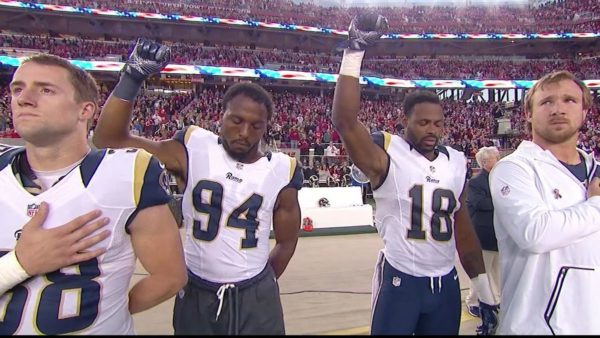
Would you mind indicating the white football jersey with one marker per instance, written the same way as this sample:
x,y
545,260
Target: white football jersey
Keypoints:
x,y
90,297
416,204
228,207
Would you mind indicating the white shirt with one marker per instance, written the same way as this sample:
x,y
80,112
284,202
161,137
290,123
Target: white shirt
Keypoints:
x,y
544,222
228,208
88,298
416,205
331,150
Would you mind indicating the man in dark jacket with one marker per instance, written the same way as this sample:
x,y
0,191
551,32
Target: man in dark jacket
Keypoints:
x,y
481,211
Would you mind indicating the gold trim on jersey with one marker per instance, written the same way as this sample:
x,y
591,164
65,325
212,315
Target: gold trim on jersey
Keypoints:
x,y
63,296
387,139
4,301
292,167
142,160
188,133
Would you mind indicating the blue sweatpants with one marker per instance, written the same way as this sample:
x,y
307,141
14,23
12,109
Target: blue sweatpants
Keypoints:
x,y
405,305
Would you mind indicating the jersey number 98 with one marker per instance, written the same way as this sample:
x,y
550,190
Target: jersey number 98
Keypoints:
x,y
47,317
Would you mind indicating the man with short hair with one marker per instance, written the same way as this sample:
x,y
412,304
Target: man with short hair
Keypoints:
x,y
546,197
58,175
418,189
233,194
481,211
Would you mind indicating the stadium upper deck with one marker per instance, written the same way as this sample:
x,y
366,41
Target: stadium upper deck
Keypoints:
x,y
559,16
102,20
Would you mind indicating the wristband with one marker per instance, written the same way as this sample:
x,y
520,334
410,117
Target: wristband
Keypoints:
x,y
482,285
351,62
11,272
127,88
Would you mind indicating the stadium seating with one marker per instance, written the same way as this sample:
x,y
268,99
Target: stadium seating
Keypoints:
x,y
581,15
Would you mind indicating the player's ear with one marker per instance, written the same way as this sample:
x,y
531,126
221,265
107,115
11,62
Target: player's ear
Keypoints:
x,y
528,115
88,110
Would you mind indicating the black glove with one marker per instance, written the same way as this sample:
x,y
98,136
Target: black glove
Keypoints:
x,y
489,319
147,58
365,30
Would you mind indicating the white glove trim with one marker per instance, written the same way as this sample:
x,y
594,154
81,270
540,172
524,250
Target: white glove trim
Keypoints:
x,y
482,285
351,62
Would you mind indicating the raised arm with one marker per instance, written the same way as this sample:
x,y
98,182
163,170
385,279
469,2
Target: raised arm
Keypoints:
x,y
112,130
364,30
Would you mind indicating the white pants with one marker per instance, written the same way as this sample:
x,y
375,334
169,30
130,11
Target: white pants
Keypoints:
x,y
491,262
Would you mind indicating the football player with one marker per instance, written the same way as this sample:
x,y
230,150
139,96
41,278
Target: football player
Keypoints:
x,y
234,194
418,189
52,103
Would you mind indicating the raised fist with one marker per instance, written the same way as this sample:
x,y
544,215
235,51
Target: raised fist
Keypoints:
x,y
147,58
365,30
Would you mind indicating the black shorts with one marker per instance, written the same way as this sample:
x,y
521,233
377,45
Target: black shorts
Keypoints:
x,y
250,307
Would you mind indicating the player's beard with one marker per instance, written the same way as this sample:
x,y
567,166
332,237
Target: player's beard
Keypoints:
x,y
557,137
418,143
239,156
428,148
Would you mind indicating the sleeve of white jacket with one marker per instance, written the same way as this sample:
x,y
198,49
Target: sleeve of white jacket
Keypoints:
x,y
523,214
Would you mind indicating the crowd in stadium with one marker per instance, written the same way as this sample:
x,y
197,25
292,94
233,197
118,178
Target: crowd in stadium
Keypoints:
x,y
386,66
552,17
303,120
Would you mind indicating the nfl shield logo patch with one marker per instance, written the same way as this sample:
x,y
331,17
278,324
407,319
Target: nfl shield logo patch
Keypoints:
x,y
32,209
